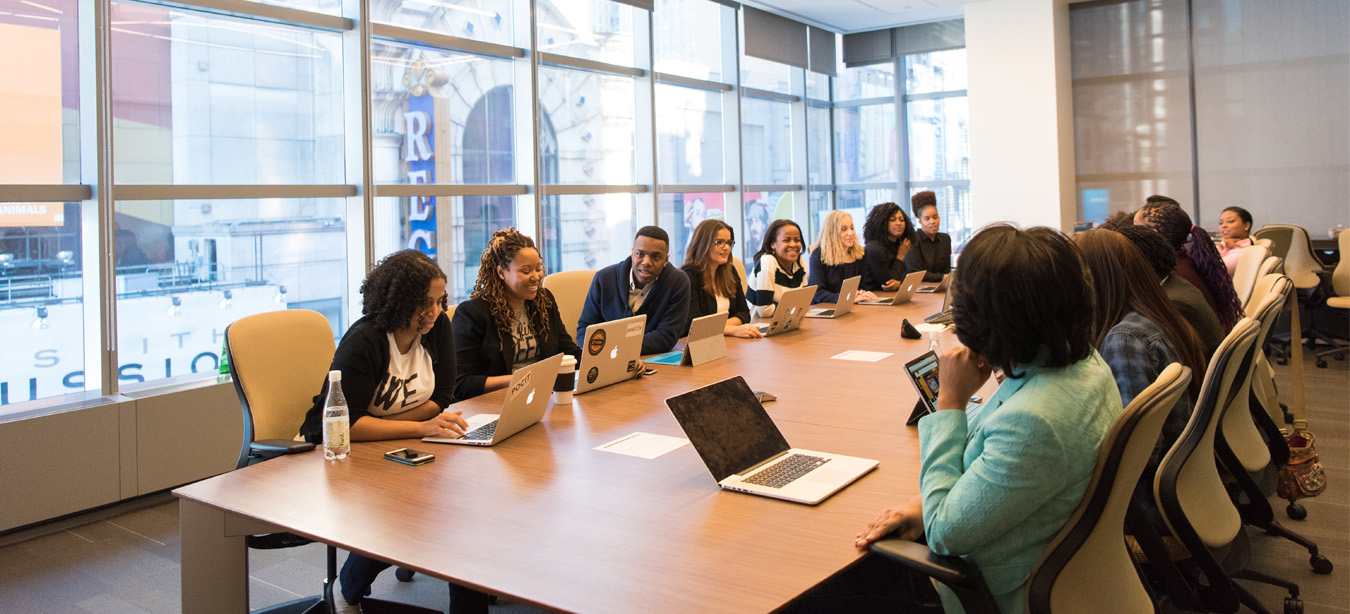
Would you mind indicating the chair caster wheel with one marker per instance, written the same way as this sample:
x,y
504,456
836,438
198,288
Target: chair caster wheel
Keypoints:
x,y
404,575
1293,605
1321,364
1320,564
1296,511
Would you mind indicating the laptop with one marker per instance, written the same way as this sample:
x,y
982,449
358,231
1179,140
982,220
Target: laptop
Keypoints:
x,y
791,311
745,452
610,354
923,373
941,287
705,342
527,398
848,295
908,285
944,316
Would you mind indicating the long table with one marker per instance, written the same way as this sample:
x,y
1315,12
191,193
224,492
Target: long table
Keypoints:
x,y
542,518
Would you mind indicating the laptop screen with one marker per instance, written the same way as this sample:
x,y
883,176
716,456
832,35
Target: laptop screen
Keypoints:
x,y
923,371
728,427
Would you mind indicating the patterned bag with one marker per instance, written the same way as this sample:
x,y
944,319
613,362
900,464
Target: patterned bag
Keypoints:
x,y
1303,476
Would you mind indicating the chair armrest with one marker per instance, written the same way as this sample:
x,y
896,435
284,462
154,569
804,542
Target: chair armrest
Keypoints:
x,y
958,574
272,448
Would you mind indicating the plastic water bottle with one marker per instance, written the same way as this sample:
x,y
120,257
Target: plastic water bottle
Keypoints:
x,y
933,344
337,440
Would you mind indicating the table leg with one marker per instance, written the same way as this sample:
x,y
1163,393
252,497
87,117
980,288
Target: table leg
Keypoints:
x,y
214,562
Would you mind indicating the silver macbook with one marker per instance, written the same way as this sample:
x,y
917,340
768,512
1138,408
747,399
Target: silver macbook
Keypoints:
x,y
527,398
705,342
908,285
610,354
944,316
941,287
744,450
848,295
791,311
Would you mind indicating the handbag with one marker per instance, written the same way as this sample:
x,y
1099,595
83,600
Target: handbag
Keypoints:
x,y
1303,476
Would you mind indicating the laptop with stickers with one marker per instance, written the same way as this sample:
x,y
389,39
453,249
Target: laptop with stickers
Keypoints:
x,y
610,354
790,313
527,398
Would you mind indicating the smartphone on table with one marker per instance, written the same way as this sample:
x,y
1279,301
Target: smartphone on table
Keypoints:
x,y
409,456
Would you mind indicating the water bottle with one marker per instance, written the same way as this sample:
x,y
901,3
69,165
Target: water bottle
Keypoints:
x,y
336,427
933,344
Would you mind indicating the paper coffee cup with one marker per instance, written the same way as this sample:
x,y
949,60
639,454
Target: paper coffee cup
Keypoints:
x,y
566,382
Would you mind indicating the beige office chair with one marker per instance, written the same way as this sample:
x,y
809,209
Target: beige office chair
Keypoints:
x,y
1339,302
1087,566
569,290
279,360
1245,275
740,270
1191,495
1272,264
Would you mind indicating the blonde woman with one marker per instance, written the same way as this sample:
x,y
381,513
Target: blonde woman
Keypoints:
x,y
837,256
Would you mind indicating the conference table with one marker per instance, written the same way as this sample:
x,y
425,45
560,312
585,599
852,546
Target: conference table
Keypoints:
x,y
544,519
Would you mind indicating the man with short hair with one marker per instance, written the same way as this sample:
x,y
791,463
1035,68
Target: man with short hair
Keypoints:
x,y
641,285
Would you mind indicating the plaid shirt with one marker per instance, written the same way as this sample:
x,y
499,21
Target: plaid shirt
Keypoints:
x,y
1137,351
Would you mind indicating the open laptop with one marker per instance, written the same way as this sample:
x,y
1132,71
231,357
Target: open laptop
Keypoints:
x,y
944,316
941,287
848,295
745,452
705,342
610,354
527,398
791,311
923,373
908,285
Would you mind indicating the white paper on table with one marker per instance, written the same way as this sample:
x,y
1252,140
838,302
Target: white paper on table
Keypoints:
x,y
643,445
862,356
930,328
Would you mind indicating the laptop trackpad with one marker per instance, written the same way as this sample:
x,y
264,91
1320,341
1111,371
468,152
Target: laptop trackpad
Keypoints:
x,y
828,476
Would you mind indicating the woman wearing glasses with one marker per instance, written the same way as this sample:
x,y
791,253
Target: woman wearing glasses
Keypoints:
x,y
398,374
714,285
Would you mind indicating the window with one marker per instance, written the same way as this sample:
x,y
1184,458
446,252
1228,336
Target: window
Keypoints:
x,y
39,96
766,134
483,20
865,82
587,231
761,209
688,37
598,30
689,135
765,75
865,148
681,213
454,230
587,124
937,129
41,301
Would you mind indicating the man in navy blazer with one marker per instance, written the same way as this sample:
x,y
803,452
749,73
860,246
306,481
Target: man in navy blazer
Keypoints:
x,y
642,284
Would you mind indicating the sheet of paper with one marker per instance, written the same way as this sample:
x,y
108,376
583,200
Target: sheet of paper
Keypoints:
x,y
862,356
643,445
930,328
669,358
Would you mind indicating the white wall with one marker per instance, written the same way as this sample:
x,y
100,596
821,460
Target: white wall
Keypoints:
x,y
1021,112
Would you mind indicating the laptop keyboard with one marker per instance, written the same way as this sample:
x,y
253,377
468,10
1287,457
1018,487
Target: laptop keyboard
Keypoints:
x,y
785,471
483,432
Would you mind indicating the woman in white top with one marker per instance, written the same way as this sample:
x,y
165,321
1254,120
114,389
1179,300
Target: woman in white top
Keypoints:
x,y
778,267
1235,227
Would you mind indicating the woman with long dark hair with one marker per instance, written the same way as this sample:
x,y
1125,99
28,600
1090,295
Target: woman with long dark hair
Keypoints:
x,y
1235,228
1197,259
510,320
887,233
778,267
714,285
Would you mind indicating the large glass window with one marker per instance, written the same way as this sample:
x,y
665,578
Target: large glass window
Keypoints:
x,y
587,126
818,159
681,213
455,234
761,209
765,75
598,30
766,142
688,38
689,135
587,231
201,99
483,20
864,82
39,94
41,301
865,148
937,129
194,266
939,139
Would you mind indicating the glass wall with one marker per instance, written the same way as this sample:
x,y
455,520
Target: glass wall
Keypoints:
x,y
251,169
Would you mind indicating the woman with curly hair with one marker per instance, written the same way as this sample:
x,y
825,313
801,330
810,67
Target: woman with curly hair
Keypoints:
x,y
835,257
1235,228
510,320
887,233
1198,261
398,374
714,285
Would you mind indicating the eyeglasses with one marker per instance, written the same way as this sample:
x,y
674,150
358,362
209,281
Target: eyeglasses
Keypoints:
x,y
726,242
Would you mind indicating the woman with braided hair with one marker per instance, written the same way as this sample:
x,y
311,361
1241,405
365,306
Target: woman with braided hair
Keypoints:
x,y
1198,261
510,319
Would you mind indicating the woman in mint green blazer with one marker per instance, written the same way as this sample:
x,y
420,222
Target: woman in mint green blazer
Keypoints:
x,y
997,485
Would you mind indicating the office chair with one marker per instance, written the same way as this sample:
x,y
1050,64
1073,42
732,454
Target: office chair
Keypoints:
x,y
1301,266
1273,264
1193,500
1245,275
569,290
1339,302
1086,567
278,360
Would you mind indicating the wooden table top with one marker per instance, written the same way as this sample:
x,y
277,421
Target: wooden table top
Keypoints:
x,y
544,519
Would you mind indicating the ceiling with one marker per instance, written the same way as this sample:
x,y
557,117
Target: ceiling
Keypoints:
x,y
849,16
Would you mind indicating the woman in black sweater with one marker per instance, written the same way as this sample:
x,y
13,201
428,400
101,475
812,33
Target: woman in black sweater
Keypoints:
x,y
510,320
714,285
887,232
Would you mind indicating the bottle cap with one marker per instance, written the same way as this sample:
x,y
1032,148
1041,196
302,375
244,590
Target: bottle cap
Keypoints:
x,y
335,375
